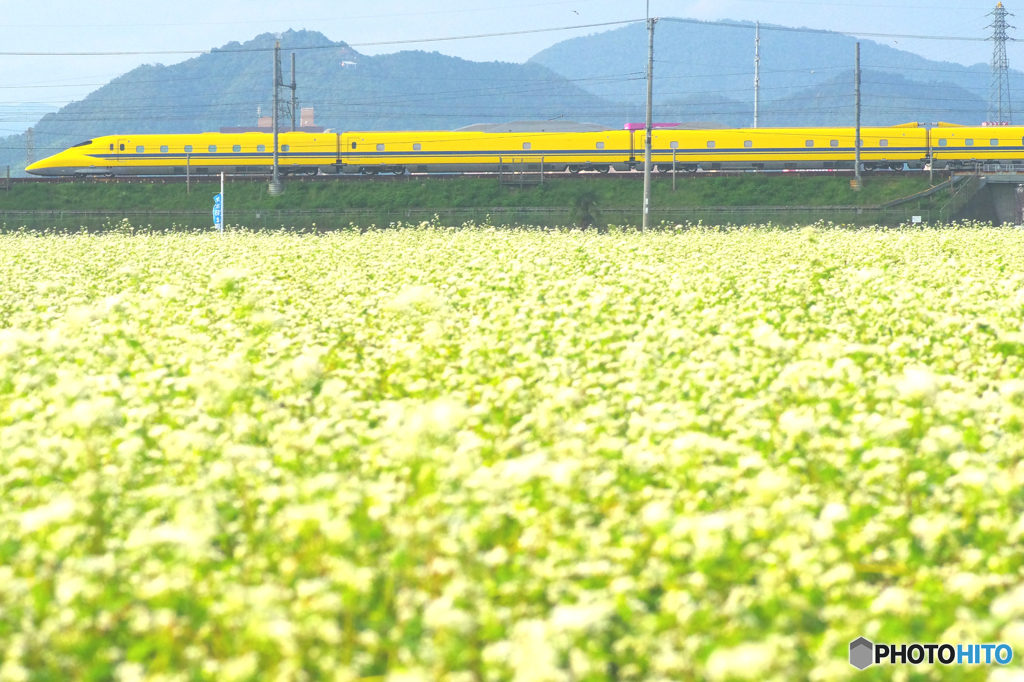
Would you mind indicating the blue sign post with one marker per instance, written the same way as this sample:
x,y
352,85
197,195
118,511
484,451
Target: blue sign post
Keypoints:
x,y
218,212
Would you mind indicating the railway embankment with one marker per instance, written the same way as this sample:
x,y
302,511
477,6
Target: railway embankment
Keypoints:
x,y
560,200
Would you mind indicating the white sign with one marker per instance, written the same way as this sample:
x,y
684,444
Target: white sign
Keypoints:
x,y
915,219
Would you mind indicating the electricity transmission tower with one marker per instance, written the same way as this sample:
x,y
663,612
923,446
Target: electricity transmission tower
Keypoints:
x,y
999,109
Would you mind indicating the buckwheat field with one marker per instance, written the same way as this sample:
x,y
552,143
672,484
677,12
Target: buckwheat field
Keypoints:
x,y
474,455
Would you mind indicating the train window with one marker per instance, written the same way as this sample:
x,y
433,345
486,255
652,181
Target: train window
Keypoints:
x,y
417,146
883,143
943,143
526,145
674,145
833,143
140,150
83,144
380,147
237,148
188,148
600,145
261,147
353,145
111,146
711,145
213,148
122,147
285,147
163,149
969,143
748,143
809,143
994,143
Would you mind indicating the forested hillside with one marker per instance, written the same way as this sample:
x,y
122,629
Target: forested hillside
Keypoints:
x,y
705,71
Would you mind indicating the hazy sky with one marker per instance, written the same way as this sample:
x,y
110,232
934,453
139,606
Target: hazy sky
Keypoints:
x,y
30,86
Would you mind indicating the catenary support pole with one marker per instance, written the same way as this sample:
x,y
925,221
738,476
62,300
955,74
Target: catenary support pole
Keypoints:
x,y
647,127
757,70
188,174
222,213
673,170
856,133
295,102
275,182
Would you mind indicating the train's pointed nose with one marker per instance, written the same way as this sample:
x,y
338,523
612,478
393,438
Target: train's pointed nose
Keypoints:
x,y
35,168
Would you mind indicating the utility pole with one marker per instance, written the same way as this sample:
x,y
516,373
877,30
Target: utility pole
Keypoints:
x,y
275,182
1000,111
857,182
757,69
295,103
647,128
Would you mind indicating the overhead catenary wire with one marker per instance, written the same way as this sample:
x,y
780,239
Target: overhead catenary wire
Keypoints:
x,y
579,80
212,107
796,132
917,87
392,77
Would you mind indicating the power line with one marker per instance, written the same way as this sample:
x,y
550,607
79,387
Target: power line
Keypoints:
x,y
852,34
292,18
500,34
317,47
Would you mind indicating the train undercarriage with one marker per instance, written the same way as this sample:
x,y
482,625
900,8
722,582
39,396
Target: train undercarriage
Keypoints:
x,y
636,165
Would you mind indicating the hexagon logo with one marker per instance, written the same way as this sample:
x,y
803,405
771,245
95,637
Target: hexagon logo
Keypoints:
x,y
861,653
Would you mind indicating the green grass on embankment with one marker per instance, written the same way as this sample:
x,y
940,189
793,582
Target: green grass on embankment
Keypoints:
x,y
464,192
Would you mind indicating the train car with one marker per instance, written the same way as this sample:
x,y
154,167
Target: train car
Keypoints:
x,y
200,154
962,147
471,151
786,148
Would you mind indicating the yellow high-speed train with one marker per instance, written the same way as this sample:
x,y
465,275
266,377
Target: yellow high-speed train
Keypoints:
x,y
489,148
